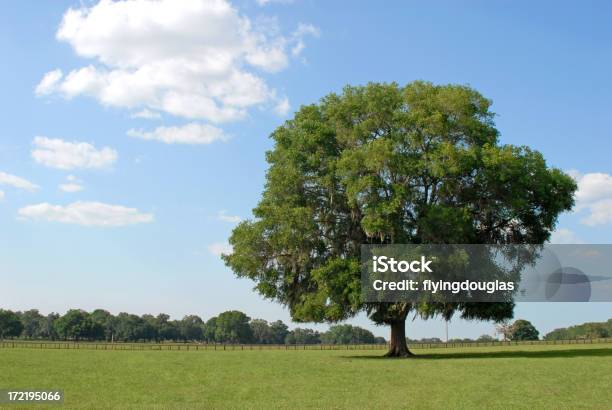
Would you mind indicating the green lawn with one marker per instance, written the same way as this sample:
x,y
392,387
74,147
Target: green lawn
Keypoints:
x,y
497,377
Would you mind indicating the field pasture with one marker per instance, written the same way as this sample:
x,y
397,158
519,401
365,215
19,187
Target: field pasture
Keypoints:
x,y
524,376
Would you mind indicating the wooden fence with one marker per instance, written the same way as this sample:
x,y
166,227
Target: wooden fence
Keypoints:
x,y
25,344
21,344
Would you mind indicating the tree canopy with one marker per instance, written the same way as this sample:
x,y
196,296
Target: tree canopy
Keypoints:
x,y
233,326
385,164
10,325
228,327
590,330
523,330
347,334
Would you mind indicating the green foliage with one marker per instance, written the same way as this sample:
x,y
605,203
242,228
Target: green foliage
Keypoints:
x,y
592,330
32,322
166,329
268,333
425,340
106,321
461,340
301,336
233,327
380,340
47,329
210,328
229,327
128,327
523,330
77,324
261,331
486,338
149,328
384,164
279,332
10,325
191,328
347,334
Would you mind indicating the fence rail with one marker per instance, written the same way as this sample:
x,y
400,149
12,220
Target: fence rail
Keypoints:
x,y
24,344
509,343
19,344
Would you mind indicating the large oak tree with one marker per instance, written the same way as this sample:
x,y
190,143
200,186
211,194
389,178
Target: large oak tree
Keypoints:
x,y
384,164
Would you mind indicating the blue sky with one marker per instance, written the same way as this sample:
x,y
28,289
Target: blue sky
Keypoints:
x,y
231,73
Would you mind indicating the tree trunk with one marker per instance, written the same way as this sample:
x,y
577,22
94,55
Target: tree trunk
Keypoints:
x,y
398,346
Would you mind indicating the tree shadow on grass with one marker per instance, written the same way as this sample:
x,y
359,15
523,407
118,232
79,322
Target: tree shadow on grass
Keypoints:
x,y
541,354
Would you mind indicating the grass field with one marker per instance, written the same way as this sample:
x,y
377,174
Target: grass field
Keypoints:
x,y
571,376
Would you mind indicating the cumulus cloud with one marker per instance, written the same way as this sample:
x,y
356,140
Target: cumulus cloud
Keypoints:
x,y
71,187
146,114
298,35
594,196
223,216
86,214
72,184
600,213
196,59
220,248
283,107
266,2
192,133
49,82
564,236
57,153
16,182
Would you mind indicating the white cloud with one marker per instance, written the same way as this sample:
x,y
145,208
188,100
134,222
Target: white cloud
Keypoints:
x,y
283,107
223,216
266,2
71,187
86,214
592,187
306,29
219,248
72,184
600,213
1,195
594,195
16,182
192,133
298,35
49,82
194,59
564,236
57,153
146,114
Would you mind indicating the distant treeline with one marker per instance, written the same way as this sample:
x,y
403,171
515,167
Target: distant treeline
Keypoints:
x,y
592,330
483,338
229,327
